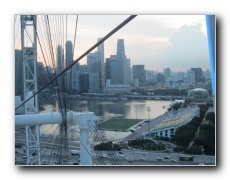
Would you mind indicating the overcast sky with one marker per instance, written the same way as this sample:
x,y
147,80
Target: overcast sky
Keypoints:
x,y
157,41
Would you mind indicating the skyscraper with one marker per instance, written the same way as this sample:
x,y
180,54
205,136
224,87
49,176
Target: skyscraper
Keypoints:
x,y
121,61
139,73
69,53
72,75
207,74
60,66
59,59
160,78
100,50
94,70
18,72
127,71
84,82
198,74
118,66
113,71
167,72
191,77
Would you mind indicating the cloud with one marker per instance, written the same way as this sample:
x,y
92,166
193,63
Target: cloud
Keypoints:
x,y
189,48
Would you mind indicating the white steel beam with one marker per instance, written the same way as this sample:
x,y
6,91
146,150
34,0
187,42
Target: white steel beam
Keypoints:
x,y
86,124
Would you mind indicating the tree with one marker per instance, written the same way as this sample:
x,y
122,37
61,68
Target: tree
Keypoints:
x,y
210,117
186,133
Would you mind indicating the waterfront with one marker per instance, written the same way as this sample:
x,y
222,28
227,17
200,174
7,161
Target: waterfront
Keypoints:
x,y
105,109
128,109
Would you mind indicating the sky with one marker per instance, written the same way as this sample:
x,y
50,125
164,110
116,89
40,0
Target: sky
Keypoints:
x,y
178,42
157,41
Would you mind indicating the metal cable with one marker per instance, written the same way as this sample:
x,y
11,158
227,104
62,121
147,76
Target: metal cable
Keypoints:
x,y
83,55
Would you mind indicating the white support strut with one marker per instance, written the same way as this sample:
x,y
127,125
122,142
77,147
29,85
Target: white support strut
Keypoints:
x,y
86,121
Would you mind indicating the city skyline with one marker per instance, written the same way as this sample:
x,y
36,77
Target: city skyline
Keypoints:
x,y
157,41
155,38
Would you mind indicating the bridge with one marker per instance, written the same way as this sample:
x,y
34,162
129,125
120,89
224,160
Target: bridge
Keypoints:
x,y
155,97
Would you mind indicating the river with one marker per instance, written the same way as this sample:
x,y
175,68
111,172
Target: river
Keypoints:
x,y
105,109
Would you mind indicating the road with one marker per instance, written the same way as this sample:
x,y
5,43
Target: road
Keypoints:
x,y
150,158
128,158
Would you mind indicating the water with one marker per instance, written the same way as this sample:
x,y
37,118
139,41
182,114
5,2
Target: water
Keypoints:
x,y
105,109
129,109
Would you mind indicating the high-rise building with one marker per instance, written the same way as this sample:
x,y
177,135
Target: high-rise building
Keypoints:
x,y
84,82
113,72
69,53
94,70
107,69
72,75
59,59
18,72
190,77
160,78
94,86
127,71
198,74
207,74
93,63
180,76
73,80
100,50
167,73
122,64
118,66
139,73
83,68
121,61
60,66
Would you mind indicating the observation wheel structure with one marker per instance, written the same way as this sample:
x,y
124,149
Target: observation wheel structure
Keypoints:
x,y
40,39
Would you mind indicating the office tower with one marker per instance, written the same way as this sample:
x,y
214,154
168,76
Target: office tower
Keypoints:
x,y
198,74
107,69
190,77
59,59
180,75
18,72
72,75
112,70
118,70
149,75
84,82
94,86
139,73
72,80
118,66
69,53
167,72
94,70
121,61
60,66
160,78
127,71
207,74
100,50
83,68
